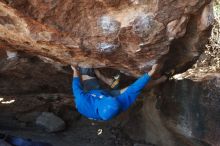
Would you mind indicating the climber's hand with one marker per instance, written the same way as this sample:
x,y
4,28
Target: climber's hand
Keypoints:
x,y
75,71
153,70
73,67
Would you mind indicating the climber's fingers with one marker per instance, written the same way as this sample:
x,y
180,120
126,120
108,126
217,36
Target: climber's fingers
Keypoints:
x,y
155,66
74,67
153,70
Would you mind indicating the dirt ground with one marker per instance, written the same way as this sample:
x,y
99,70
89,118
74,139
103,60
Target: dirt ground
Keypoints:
x,y
18,119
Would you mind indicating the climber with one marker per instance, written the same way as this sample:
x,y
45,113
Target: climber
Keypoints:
x,y
98,104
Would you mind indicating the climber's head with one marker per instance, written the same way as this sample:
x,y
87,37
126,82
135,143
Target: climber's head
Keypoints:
x,y
108,108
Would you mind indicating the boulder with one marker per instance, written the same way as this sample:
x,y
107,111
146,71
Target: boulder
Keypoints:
x,y
4,143
180,113
194,112
50,122
127,35
29,75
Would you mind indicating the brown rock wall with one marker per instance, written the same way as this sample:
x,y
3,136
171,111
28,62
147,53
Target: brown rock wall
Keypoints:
x,y
129,35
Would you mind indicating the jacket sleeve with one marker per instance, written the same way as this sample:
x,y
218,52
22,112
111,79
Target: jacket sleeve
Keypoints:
x,y
127,98
140,83
77,87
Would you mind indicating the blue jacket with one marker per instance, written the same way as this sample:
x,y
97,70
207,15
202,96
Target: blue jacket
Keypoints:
x,y
87,103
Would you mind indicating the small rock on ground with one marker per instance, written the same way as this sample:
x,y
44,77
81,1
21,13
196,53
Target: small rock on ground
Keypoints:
x,y
4,143
50,122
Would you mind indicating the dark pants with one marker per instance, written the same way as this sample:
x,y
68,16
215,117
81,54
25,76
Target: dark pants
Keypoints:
x,y
93,84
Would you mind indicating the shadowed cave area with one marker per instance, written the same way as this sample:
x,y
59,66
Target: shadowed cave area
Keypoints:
x,y
169,113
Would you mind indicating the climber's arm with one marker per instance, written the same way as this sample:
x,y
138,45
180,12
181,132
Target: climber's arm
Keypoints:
x,y
153,70
76,84
142,81
129,95
75,72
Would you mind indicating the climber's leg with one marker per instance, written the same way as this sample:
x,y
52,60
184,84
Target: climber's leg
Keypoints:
x,y
112,82
89,80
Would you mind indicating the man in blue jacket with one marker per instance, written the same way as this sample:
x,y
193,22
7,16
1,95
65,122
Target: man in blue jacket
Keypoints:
x,y
98,104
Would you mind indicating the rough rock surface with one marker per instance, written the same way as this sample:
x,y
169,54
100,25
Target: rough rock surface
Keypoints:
x,y
3,143
180,113
50,122
30,75
128,35
194,112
